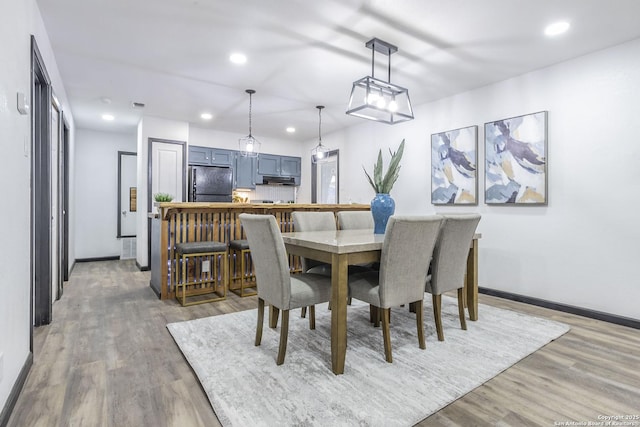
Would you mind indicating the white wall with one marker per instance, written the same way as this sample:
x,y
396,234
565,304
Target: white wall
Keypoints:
x,y
151,127
18,20
97,191
582,248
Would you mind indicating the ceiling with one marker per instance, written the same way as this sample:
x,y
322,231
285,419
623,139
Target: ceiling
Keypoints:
x,y
173,55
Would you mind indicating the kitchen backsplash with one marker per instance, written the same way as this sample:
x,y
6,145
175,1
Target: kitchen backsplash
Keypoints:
x,y
276,193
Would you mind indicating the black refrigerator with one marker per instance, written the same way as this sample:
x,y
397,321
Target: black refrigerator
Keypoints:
x,y
210,184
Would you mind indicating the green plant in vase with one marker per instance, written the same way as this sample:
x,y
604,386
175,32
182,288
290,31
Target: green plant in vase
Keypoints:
x,y
382,205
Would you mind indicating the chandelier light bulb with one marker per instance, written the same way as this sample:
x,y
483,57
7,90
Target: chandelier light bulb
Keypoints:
x,y
393,106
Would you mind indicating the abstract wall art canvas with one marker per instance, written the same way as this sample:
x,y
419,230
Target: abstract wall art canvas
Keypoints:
x,y
516,160
453,167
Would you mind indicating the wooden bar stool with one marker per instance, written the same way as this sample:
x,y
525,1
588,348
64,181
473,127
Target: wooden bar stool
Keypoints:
x,y
239,250
208,262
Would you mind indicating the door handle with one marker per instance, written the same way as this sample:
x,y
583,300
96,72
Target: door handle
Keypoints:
x,y
124,213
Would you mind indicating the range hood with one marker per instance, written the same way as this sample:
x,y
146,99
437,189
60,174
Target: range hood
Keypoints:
x,y
279,180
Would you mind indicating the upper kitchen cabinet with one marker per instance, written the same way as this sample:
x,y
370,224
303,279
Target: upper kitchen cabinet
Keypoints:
x,y
245,172
290,166
206,156
268,164
272,165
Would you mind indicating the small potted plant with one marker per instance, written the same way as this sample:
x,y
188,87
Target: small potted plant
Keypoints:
x,y
382,205
162,197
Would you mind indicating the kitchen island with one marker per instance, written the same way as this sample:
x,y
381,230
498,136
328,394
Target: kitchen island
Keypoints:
x,y
194,222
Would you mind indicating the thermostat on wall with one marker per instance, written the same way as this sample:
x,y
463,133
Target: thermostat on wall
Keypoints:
x,y
23,106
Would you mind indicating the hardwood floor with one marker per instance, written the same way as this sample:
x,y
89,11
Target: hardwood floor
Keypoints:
x,y
108,360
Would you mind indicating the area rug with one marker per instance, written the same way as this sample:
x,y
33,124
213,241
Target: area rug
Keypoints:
x,y
247,388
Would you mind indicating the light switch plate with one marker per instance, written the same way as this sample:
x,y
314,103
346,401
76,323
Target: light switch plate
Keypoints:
x,y
206,266
23,105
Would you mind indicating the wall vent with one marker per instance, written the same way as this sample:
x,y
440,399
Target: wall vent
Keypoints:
x,y
128,249
137,105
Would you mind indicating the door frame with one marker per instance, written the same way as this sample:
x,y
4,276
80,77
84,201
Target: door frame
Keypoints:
x,y
56,108
120,154
314,177
65,200
41,295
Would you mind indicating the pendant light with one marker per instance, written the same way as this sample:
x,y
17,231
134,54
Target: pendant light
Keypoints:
x,y
377,100
249,146
320,153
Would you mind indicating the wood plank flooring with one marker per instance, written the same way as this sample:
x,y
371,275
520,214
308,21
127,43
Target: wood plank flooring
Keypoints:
x,y
108,360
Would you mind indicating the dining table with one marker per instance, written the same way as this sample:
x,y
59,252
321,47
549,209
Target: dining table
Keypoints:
x,y
342,248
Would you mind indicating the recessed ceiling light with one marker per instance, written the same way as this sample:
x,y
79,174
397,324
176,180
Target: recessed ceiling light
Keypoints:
x,y
556,28
108,117
238,58
206,116
291,129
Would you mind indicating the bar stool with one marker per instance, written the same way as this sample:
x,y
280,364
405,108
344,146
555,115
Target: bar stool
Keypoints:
x,y
213,279
239,249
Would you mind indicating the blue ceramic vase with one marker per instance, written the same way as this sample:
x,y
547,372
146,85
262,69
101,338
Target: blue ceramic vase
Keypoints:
x,y
382,207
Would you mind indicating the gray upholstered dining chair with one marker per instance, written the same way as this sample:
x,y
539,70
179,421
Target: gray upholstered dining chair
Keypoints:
x,y
449,263
314,221
275,284
355,220
404,262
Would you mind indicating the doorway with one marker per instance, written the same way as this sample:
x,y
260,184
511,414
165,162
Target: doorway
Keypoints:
x,y
64,173
325,179
127,194
41,294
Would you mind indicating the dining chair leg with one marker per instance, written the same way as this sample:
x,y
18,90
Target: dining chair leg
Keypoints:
x,y
274,313
437,314
376,317
412,307
312,317
260,321
303,312
372,311
463,322
386,335
284,332
419,306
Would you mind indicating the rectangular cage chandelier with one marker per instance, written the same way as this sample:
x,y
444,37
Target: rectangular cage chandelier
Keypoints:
x,y
377,100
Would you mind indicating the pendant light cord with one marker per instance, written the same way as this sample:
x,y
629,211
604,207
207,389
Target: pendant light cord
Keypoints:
x,y
250,113
320,126
320,107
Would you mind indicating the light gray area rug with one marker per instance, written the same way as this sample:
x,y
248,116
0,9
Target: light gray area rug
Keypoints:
x,y
247,388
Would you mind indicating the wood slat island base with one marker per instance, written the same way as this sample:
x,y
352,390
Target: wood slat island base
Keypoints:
x,y
194,222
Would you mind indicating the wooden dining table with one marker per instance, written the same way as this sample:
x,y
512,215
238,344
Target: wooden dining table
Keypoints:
x,y
342,248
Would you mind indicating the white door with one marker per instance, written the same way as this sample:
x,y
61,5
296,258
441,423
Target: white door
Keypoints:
x,y
128,195
167,174
327,179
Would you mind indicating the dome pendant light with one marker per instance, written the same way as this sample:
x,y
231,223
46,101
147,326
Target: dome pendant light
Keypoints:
x,y
320,153
377,100
249,146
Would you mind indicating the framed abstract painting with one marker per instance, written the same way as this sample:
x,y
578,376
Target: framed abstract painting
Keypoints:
x,y
454,156
516,160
